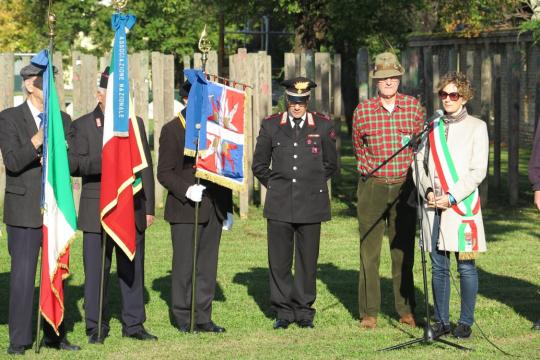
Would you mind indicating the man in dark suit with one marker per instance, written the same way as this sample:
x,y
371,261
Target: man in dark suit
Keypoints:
x,y
176,173
294,157
85,148
21,141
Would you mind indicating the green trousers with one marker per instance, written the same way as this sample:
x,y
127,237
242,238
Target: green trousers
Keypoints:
x,y
383,206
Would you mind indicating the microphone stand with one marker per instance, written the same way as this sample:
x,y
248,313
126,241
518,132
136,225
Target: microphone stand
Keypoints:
x,y
428,337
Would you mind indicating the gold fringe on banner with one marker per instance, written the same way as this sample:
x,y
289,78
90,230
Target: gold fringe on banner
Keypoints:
x,y
468,255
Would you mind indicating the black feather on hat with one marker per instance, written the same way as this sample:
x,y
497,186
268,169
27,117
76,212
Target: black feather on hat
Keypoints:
x,y
104,79
184,90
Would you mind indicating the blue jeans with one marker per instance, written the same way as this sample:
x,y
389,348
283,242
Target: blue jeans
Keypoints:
x,y
468,278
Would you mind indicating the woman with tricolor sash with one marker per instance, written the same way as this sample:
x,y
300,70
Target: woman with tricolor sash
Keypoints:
x,y
452,163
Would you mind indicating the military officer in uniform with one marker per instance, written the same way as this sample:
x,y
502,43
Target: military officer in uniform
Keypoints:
x,y
86,143
294,157
176,172
21,141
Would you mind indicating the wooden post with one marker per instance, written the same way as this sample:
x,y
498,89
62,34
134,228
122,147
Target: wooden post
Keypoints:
x,y
186,60
158,91
307,69
486,95
337,104
59,79
514,68
197,61
212,63
241,71
428,80
138,70
434,83
497,121
85,76
322,78
264,94
362,73
7,85
290,66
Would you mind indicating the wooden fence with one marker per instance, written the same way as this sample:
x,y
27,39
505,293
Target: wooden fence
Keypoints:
x,y
152,79
504,68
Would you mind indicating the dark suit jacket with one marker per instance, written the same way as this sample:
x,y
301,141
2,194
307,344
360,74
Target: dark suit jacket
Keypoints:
x,y
176,173
23,167
295,169
85,147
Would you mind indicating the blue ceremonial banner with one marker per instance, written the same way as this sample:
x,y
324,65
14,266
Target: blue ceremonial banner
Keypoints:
x,y
197,113
121,23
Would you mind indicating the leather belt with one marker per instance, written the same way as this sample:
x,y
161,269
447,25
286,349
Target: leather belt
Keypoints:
x,y
389,181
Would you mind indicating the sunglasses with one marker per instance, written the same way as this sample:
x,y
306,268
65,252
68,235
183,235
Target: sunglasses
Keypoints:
x,y
453,95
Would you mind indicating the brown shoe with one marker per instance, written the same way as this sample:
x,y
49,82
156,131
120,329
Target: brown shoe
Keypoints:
x,y
408,319
368,322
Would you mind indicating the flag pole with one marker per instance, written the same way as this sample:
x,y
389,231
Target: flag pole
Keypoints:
x,y
119,5
204,47
51,20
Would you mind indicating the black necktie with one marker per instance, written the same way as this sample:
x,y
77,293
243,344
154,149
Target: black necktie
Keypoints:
x,y
297,126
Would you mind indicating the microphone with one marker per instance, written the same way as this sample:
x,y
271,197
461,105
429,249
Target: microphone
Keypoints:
x,y
429,121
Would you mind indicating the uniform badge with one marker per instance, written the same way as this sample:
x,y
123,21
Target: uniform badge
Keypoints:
x,y
98,122
315,150
405,140
309,141
332,134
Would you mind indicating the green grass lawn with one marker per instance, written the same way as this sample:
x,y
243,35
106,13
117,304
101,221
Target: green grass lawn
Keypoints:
x,y
508,300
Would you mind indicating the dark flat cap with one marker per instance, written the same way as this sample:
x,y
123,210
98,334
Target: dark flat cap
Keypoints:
x,y
31,70
298,89
34,70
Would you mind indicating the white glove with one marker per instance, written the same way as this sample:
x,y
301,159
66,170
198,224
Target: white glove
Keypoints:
x,y
194,192
228,222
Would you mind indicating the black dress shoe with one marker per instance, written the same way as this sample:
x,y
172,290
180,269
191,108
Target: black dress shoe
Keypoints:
x,y
281,324
184,328
16,349
63,344
94,339
209,327
439,329
142,335
305,323
536,325
462,331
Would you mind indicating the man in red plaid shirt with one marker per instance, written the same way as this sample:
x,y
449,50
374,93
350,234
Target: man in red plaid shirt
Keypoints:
x,y
381,126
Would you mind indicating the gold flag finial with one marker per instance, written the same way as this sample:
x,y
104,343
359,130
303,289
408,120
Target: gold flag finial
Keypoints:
x,y
119,5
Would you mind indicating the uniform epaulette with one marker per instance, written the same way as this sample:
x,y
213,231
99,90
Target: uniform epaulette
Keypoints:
x,y
272,116
321,115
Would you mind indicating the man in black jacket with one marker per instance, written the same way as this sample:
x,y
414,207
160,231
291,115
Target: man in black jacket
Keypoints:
x,y
85,148
21,141
176,173
294,157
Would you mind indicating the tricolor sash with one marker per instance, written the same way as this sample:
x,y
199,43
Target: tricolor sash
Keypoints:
x,y
446,170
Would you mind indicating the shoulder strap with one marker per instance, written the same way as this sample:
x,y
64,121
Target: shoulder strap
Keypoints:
x,y
182,120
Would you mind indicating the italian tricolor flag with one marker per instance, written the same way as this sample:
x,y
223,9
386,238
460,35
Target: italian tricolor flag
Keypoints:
x,y
59,216
123,154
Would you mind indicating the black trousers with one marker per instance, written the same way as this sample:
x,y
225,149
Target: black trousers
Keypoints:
x,y
130,278
23,247
182,264
292,298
